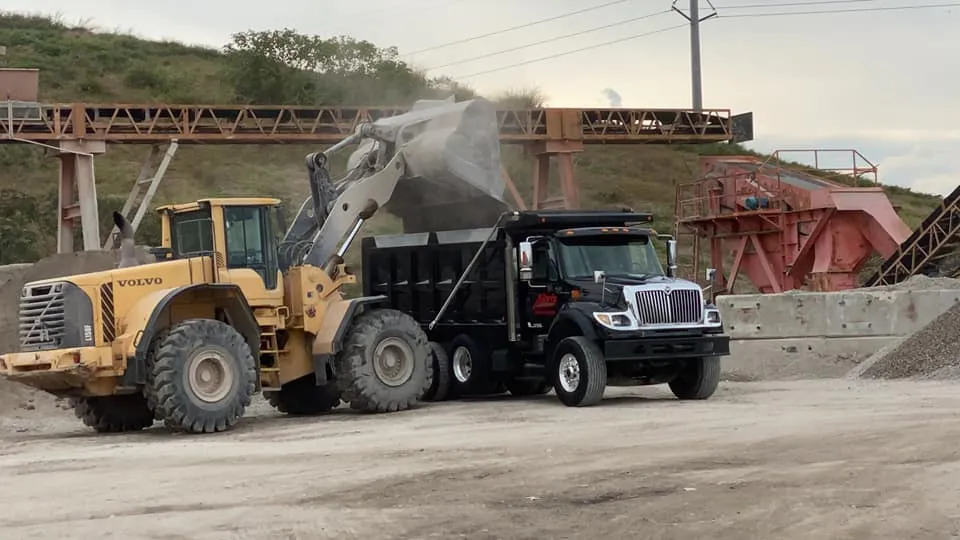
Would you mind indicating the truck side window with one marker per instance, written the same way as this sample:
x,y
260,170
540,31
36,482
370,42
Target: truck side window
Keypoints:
x,y
543,268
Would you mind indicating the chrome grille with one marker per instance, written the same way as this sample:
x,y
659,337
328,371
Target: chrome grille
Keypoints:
x,y
679,306
41,316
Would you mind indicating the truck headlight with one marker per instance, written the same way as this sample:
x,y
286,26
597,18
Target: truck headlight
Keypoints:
x,y
712,316
614,320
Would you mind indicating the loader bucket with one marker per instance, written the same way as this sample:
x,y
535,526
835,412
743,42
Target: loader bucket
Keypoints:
x,y
452,156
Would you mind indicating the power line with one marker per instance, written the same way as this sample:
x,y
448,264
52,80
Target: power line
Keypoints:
x,y
574,51
794,4
550,40
848,10
518,27
676,27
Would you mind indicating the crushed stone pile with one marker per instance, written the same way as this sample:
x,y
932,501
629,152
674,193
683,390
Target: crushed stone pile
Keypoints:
x,y
930,353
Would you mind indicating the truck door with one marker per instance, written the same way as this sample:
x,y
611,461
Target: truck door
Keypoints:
x,y
538,298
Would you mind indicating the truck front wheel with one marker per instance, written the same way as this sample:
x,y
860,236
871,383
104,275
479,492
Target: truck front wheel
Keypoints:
x,y
698,379
201,376
385,362
580,372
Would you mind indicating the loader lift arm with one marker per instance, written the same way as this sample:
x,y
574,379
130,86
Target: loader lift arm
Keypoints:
x,y
443,153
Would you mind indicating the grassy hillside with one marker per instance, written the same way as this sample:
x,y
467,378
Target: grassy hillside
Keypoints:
x,y
81,65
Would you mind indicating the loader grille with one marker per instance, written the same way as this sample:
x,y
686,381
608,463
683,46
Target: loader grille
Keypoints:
x,y
665,306
107,312
42,316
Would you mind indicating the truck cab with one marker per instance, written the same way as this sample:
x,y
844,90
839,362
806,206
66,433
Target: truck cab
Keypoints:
x,y
573,300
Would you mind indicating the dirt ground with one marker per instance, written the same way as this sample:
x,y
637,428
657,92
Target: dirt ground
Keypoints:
x,y
807,459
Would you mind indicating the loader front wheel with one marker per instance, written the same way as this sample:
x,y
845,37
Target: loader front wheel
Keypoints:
x,y
114,414
201,377
302,397
385,364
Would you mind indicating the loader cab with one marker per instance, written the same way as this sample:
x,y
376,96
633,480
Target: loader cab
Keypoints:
x,y
241,235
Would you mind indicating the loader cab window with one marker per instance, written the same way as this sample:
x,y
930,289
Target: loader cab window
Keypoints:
x,y
250,241
192,234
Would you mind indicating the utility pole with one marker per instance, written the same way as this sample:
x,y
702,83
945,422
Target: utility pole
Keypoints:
x,y
696,78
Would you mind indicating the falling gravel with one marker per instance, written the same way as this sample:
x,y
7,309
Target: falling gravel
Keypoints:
x,y
930,353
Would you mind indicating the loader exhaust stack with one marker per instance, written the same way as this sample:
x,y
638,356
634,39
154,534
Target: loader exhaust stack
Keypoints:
x,y
128,254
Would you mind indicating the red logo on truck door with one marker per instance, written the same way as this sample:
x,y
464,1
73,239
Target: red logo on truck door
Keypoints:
x,y
545,305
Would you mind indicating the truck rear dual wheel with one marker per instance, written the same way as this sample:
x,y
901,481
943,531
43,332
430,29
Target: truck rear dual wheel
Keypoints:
x,y
440,386
470,367
114,414
201,376
385,362
302,397
698,379
580,372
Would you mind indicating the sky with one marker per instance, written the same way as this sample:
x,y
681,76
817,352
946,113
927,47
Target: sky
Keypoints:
x,y
882,82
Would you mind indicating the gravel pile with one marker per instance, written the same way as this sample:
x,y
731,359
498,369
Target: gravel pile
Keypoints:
x,y
932,353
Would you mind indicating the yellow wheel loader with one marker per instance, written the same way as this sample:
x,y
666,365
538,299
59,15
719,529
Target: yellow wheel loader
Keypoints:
x,y
238,303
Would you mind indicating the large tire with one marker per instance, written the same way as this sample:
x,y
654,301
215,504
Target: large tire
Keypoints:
x,y
698,380
385,362
470,367
114,414
440,387
580,372
201,376
527,388
303,397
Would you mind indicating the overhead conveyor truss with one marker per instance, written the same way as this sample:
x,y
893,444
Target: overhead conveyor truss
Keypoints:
x,y
933,248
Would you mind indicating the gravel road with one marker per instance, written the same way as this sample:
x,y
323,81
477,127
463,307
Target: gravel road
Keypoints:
x,y
824,459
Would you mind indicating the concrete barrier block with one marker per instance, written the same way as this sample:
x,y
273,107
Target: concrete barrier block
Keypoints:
x,y
797,358
759,316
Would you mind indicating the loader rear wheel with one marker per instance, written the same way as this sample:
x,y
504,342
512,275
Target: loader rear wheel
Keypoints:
x,y
303,397
440,387
201,377
385,362
114,414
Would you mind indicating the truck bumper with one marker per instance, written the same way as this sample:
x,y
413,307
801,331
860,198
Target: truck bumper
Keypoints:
x,y
664,348
56,370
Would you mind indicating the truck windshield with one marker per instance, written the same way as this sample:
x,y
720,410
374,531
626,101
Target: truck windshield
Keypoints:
x,y
616,255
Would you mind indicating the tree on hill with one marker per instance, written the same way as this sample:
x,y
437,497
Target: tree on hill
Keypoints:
x,y
283,66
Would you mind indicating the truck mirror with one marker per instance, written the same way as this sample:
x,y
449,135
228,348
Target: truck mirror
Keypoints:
x,y
711,273
525,263
599,276
671,258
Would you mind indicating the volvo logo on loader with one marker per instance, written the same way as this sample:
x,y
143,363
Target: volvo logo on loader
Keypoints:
x,y
139,282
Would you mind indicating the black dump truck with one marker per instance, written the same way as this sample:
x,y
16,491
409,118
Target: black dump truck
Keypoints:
x,y
570,300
